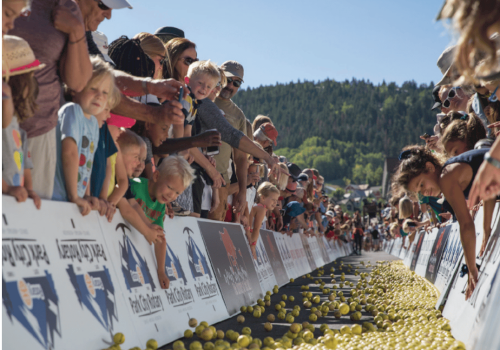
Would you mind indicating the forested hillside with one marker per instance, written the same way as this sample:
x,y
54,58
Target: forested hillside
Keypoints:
x,y
344,129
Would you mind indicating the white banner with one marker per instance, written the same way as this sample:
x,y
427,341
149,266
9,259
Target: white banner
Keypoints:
x,y
60,290
287,255
425,251
315,250
463,312
193,290
264,268
298,253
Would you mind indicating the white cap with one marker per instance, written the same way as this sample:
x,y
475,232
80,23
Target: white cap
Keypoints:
x,y
117,4
101,40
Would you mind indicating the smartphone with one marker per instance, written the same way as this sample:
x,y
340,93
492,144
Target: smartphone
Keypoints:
x,y
212,150
181,93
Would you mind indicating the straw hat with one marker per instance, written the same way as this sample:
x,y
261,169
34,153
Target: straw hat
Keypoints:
x,y
18,57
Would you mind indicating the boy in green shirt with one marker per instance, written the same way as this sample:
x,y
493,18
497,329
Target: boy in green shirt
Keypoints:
x,y
149,197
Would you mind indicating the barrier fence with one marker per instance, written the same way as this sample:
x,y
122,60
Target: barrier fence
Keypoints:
x,y
438,256
72,282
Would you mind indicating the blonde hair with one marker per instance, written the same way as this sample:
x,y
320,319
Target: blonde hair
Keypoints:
x,y
265,190
282,182
223,78
102,70
176,165
203,67
472,18
151,44
405,207
392,229
406,227
127,139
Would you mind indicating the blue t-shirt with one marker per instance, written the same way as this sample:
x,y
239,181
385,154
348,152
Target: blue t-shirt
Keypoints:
x,y
73,123
105,148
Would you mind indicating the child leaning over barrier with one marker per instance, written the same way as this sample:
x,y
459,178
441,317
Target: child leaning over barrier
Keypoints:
x,y
21,91
131,146
77,135
149,197
267,198
422,171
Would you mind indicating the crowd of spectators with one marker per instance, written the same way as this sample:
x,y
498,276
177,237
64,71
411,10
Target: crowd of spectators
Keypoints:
x,y
145,126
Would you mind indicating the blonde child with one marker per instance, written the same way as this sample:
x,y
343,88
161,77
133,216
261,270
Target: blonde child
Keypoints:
x,y
267,198
149,197
130,146
202,77
21,90
77,135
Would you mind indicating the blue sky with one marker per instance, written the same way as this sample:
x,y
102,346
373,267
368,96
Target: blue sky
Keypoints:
x,y
281,41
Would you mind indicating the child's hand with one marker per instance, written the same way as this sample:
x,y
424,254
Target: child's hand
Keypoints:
x,y
36,199
169,211
18,192
83,205
164,280
154,234
94,204
107,208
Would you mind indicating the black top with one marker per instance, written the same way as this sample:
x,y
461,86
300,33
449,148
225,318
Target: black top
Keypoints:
x,y
474,158
375,234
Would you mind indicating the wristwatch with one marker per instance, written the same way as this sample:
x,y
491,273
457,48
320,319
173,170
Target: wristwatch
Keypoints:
x,y
491,160
145,85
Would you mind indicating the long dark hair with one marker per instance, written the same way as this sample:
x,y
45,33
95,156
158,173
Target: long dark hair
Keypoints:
x,y
130,58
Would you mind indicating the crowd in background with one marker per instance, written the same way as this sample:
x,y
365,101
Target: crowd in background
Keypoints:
x,y
145,126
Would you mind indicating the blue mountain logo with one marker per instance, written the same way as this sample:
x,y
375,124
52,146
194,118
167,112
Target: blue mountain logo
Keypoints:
x,y
173,267
34,303
197,260
95,290
134,266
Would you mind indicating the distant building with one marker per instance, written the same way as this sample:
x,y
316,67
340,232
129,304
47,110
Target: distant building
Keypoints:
x,y
390,167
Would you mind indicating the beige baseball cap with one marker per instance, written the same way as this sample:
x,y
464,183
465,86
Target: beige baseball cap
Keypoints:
x,y
232,69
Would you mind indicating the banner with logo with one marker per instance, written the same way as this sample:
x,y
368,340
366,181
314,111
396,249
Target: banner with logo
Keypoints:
x,y
466,311
193,290
299,253
425,251
450,260
410,251
57,276
232,262
437,253
309,255
323,246
329,245
419,239
273,253
316,251
263,267
287,254
135,269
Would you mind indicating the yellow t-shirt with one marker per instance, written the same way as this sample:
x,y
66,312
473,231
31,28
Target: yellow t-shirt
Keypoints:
x,y
112,181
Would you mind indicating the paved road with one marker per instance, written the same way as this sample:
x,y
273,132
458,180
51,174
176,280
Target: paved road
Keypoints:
x,y
280,327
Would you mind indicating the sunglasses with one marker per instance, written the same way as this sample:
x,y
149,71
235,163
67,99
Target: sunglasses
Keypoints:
x,y
451,95
236,83
493,97
188,60
101,5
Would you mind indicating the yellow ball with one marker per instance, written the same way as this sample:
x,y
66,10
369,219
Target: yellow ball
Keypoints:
x,y
188,333
152,344
119,338
344,309
243,341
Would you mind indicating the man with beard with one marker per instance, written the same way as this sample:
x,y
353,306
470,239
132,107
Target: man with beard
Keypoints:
x,y
234,73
